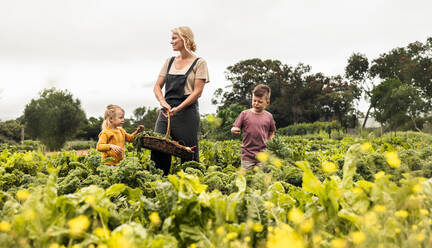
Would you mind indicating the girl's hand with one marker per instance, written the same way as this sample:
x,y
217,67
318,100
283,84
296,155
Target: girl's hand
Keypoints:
x,y
116,148
140,128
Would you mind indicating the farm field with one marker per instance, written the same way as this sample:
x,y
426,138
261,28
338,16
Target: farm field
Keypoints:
x,y
311,191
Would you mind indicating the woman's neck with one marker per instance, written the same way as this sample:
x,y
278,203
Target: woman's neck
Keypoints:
x,y
184,54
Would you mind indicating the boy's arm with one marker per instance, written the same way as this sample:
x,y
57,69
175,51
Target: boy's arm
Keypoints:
x,y
271,135
237,125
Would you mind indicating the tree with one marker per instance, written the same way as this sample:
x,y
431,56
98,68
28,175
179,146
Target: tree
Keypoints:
x,y
54,117
90,129
297,95
245,75
396,103
145,116
411,65
10,130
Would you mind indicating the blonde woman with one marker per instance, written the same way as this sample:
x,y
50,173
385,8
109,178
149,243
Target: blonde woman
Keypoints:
x,y
183,77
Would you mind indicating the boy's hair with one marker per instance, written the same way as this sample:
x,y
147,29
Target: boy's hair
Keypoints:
x,y
260,90
110,113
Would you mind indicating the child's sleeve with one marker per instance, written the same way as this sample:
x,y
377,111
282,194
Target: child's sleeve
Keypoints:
x,y
102,144
129,137
239,121
272,126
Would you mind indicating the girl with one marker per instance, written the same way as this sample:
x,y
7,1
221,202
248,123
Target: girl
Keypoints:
x,y
112,137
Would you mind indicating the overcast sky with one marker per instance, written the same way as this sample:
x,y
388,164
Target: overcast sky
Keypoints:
x,y
110,52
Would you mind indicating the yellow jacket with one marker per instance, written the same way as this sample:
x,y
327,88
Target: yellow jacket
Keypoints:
x,y
113,137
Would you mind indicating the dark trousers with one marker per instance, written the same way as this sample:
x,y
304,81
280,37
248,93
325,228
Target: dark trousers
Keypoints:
x,y
184,129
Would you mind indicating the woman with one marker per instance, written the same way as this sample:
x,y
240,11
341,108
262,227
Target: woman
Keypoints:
x,y
183,77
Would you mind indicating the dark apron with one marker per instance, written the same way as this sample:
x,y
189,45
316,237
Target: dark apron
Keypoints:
x,y
184,124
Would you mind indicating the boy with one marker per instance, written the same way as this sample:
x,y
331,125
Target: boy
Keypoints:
x,y
258,126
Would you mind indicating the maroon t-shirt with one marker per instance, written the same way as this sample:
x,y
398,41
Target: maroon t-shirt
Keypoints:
x,y
256,129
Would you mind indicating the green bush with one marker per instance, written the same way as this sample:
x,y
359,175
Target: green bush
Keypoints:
x,y
79,145
310,128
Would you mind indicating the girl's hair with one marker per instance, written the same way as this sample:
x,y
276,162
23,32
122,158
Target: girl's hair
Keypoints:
x,y
110,113
187,36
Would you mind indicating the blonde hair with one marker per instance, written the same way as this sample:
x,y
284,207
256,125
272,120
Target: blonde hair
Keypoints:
x,y
110,113
187,36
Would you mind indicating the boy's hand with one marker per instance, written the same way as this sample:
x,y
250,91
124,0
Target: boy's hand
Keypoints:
x,y
116,148
235,130
140,128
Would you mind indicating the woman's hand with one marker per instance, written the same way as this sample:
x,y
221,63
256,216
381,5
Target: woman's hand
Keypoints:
x,y
116,148
174,111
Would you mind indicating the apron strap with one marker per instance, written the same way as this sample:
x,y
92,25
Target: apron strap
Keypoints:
x,y
191,67
169,65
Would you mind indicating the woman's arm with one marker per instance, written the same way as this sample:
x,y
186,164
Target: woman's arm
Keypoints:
x,y
158,93
196,93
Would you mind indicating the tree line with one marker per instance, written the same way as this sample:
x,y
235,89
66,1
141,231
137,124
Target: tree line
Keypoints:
x,y
397,85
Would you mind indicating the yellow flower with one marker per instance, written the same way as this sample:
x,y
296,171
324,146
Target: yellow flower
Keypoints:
x,y
102,246
306,226
420,237
284,236
268,204
417,188
119,241
101,232
22,194
257,227
5,226
414,227
247,239
262,156
338,243
154,218
379,175
193,245
358,237
397,230
90,200
379,208
392,159
277,162
78,225
329,167
357,190
401,213
54,245
220,230
366,147
424,211
231,235
316,239
295,215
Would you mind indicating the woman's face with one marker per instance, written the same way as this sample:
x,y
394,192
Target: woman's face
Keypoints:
x,y
176,42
